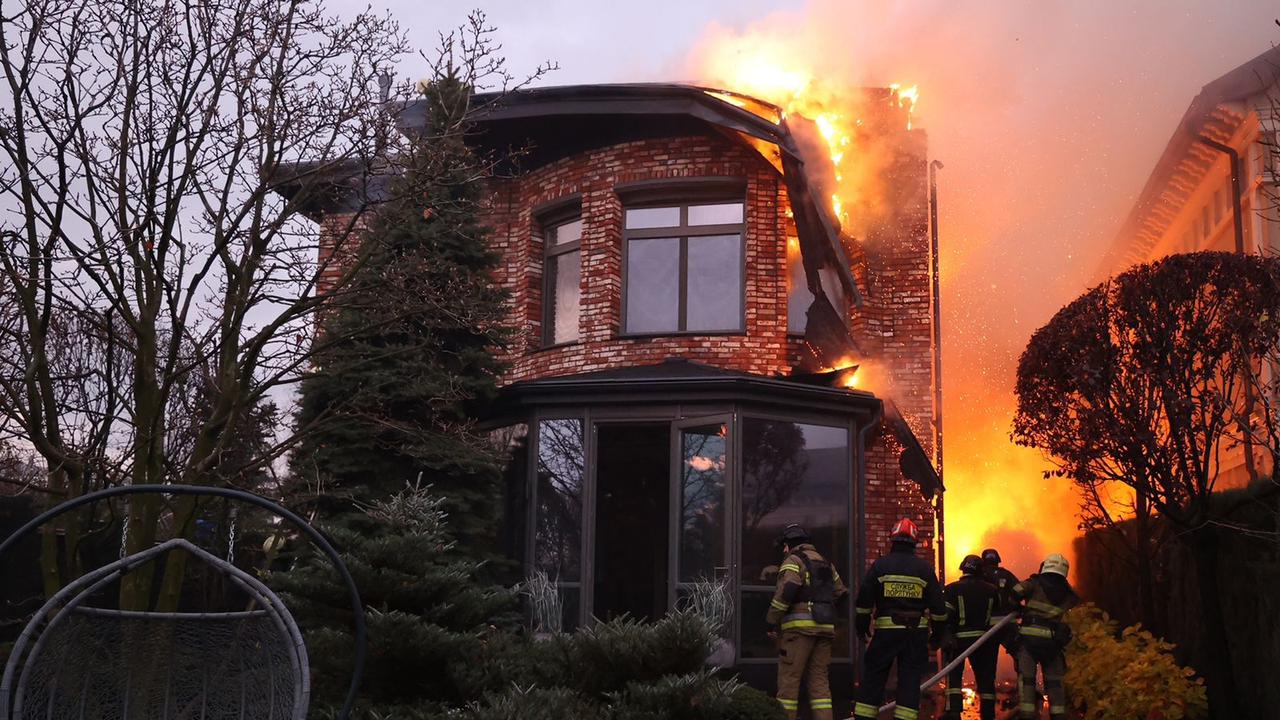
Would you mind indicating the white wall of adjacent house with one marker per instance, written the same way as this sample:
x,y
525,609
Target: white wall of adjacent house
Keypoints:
x,y
1206,222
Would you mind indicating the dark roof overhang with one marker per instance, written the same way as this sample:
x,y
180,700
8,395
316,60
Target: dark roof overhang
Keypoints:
x,y
913,461
677,381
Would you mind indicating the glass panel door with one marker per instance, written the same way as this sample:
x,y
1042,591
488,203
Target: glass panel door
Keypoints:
x,y
558,499
700,497
792,472
631,529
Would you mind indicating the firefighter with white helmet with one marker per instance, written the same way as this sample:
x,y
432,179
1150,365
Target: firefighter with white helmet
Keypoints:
x,y
1043,636
901,598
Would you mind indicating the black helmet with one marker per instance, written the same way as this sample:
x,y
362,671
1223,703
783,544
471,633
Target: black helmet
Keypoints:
x,y
971,565
990,555
793,535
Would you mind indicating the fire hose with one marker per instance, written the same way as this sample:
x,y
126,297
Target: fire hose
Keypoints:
x,y
990,633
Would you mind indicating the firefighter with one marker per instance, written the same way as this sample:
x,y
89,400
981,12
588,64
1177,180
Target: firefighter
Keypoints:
x,y
901,598
970,602
803,611
1043,635
1004,581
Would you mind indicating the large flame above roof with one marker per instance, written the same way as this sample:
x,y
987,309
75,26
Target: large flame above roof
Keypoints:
x,y
757,67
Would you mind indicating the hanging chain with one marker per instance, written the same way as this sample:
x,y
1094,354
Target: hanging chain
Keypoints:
x,y
124,529
231,537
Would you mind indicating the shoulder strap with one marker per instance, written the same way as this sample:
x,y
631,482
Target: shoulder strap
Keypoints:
x,y
808,565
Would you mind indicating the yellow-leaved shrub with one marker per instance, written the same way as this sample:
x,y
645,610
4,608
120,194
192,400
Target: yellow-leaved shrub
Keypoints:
x,y
1130,675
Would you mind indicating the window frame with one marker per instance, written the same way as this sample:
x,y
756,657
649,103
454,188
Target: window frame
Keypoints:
x,y
693,196
548,222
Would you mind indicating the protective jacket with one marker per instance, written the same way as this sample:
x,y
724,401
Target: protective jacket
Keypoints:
x,y
1004,582
1047,598
970,602
807,595
1043,634
900,591
901,595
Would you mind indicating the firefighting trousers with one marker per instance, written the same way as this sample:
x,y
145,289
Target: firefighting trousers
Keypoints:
x,y
800,657
1054,666
983,662
910,648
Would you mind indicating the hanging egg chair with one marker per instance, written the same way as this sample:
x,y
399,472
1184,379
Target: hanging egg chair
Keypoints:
x,y
75,661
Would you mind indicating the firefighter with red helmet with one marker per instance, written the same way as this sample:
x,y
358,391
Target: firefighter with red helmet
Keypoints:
x,y
901,599
802,617
970,602
1043,636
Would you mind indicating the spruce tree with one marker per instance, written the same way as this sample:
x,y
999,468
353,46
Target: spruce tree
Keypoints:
x,y
428,616
409,361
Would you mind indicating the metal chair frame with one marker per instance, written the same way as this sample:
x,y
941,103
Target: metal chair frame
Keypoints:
x,y
68,601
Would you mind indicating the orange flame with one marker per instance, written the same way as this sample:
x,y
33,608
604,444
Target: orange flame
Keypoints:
x,y
762,67
994,510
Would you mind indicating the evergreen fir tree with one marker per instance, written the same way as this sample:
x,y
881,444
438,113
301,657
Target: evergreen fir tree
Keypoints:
x,y
427,614
411,359
445,645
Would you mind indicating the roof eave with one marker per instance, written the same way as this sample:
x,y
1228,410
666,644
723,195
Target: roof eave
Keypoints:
x,y
1224,93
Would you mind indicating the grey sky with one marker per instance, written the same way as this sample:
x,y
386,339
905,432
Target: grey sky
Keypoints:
x,y
592,41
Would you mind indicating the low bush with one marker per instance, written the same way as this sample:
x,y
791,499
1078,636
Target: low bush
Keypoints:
x,y
693,696
1127,675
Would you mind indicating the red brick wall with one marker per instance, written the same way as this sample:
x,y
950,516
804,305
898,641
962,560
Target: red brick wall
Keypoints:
x,y
892,263
895,324
764,348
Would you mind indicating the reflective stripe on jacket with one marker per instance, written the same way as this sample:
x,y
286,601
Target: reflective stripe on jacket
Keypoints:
x,y
904,585
1041,613
788,610
970,602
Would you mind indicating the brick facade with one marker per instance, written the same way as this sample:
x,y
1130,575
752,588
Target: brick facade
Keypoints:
x,y
893,326
764,348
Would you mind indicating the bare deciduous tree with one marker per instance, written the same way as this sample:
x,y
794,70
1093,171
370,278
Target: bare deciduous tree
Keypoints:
x,y
1138,383
144,249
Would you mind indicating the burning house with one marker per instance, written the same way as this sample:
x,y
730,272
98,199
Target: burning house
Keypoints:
x,y
1214,188
708,348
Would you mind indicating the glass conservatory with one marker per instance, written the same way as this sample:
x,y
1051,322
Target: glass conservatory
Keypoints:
x,y
626,486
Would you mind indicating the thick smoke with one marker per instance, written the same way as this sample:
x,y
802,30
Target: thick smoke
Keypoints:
x,y
1048,117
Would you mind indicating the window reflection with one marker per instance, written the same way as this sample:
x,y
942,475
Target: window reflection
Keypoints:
x,y
558,533
513,442
562,284
715,282
653,285
798,296
791,473
717,214
702,484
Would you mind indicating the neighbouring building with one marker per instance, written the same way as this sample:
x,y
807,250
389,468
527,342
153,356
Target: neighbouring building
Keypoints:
x,y
690,317
1224,144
